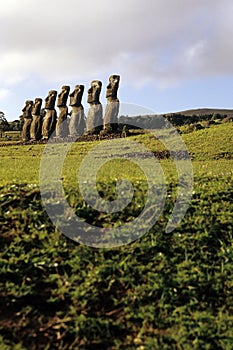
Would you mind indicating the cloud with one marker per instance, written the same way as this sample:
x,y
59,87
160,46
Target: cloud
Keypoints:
x,y
4,93
157,42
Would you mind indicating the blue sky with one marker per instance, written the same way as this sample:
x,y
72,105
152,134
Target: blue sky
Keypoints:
x,y
171,54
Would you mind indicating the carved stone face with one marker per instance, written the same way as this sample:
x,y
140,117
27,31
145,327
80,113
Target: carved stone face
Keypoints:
x,y
63,96
37,106
50,99
27,110
94,92
76,96
111,93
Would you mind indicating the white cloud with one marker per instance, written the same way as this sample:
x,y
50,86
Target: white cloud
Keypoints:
x,y
147,41
4,93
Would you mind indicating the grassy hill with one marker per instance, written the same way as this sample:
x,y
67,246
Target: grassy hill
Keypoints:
x,y
192,116
205,111
169,291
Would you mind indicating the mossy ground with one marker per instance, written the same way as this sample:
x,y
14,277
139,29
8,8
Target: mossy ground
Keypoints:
x,y
163,291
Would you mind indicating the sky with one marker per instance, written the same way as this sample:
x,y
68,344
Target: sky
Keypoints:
x,y
171,55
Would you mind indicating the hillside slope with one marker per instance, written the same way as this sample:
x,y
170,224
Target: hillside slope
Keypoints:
x,y
204,111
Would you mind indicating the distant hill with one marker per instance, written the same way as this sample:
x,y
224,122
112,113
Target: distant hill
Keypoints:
x,y
191,116
202,112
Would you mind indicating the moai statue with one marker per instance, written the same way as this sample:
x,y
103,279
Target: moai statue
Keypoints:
x,y
27,117
77,119
113,105
62,129
36,125
95,113
50,119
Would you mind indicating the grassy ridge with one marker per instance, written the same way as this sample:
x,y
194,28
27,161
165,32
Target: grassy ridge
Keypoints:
x,y
21,164
164,291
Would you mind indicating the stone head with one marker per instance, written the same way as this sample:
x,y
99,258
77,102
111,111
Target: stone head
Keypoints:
x,y
50,99
76,96
63,96
27,110
112,87
37,106
94,92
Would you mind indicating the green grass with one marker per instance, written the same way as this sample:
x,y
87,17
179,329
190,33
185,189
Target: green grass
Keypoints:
x,y
212,143
210,149
163,291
